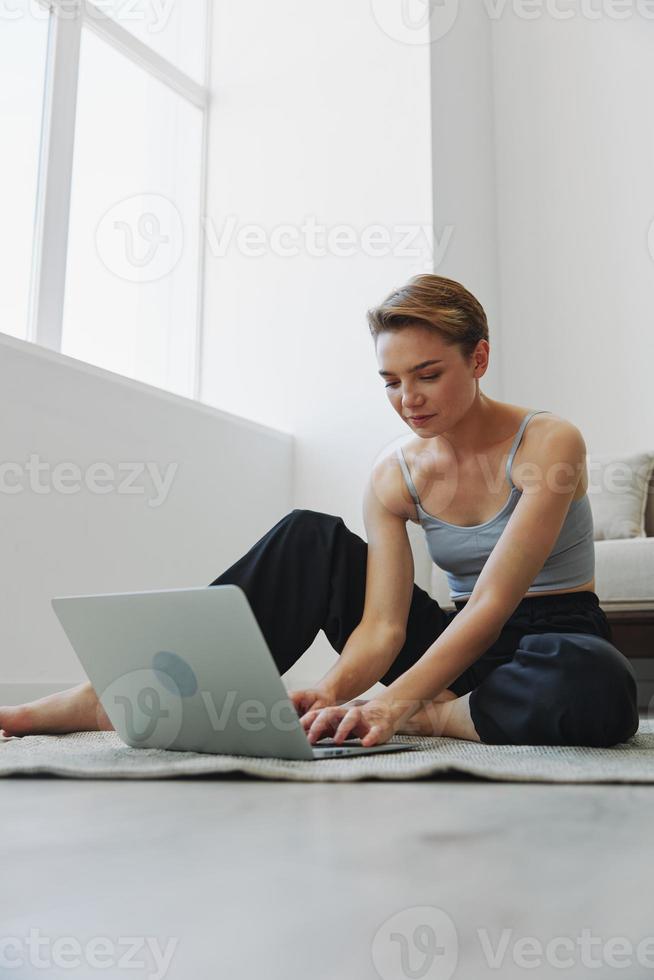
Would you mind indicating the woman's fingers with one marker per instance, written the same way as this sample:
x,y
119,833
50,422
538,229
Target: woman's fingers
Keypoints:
x,y
297,700
352,722
326,722
374,735
371,723
303,701
342,722
308,719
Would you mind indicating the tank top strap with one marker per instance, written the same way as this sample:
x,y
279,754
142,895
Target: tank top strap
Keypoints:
x,y
407,476
518,439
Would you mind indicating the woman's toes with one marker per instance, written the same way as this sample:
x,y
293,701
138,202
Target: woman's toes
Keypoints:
x,y
14,721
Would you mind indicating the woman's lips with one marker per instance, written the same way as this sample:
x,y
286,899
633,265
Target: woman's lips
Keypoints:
x,y
420,419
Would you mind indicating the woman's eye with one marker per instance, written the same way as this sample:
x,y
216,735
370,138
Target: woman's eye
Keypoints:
x,y
426,377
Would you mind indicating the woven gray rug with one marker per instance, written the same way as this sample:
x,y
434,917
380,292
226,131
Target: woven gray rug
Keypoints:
x,y
101,755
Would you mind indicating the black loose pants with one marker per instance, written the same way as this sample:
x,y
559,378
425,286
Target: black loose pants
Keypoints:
x,y
553,677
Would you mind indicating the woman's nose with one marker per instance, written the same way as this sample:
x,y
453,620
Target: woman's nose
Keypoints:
x,y
408,402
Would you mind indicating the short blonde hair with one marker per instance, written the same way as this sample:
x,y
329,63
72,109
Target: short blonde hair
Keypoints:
x,y
442,305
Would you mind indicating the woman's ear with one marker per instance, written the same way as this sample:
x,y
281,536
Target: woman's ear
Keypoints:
x,y
480,357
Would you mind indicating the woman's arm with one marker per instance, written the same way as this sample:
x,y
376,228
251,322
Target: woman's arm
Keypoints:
x,y
375,643
470,633
514,562
367,655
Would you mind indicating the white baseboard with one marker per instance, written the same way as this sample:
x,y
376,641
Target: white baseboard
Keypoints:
x,y
627,605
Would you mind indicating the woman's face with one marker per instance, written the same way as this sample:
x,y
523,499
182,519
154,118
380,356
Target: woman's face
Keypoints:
x,y
444,390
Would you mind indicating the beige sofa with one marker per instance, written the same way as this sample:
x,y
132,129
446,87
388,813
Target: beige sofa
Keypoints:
x,y
624,567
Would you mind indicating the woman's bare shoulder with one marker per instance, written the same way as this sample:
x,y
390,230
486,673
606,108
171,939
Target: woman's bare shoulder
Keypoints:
x,y
547,423
389,484
388,479
543,427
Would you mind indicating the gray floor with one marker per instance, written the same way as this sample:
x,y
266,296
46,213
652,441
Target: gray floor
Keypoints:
x,y
256,879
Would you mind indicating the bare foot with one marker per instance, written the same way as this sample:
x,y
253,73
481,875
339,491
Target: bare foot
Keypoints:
x,y
74,710
426,720
446,716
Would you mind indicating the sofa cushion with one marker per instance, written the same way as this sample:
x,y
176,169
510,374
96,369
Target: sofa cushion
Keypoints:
x,y
618,491
624,570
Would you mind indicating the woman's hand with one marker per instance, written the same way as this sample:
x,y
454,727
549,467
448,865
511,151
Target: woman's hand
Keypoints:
x,y
312,698
374,722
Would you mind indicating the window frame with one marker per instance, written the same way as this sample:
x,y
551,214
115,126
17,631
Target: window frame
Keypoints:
x,y
52,216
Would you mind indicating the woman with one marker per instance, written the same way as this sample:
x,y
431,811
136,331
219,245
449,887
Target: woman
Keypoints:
x,y
525,657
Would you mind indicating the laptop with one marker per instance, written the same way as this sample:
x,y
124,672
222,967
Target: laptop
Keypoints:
x,y
189,670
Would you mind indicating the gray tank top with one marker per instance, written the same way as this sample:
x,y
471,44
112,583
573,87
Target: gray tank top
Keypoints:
x,y
462,551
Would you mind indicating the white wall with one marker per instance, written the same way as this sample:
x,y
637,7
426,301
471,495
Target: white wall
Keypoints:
x,y
543,154
317,113
231,481
464,168
575,161
539,140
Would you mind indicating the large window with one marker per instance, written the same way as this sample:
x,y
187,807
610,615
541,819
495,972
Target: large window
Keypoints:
x,y
108,215
23,52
